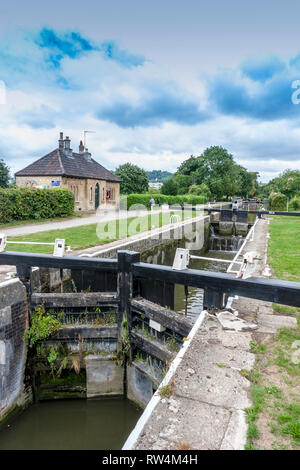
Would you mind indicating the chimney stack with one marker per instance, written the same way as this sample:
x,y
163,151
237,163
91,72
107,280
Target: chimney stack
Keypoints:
x,y
87,154
81,147
67,143
61,140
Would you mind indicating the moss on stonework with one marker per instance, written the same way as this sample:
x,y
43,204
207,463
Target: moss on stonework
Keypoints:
x,y
68,379
225,232
242,232
11,414
56,395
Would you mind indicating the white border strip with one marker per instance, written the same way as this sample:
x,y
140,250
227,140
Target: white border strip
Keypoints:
x,y
251,232
10,281
135,434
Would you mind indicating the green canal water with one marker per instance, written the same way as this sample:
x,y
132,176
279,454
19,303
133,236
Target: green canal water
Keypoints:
x,y
102,424
164,254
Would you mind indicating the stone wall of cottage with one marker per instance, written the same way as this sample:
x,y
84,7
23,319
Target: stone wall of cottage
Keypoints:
x,y
38,181
83,189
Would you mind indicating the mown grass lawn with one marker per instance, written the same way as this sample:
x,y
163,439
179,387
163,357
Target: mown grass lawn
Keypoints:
x,y
284,247
86,236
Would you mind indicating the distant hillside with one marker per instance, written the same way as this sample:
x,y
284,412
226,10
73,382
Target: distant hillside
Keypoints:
x,y
158,176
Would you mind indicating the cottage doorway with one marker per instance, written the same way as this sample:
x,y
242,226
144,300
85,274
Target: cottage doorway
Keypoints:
x,y
97,193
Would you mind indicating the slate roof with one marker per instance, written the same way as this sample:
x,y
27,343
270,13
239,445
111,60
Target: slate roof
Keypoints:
x,y
59,163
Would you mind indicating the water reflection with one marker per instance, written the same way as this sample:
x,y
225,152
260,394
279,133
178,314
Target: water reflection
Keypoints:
x,y
164,254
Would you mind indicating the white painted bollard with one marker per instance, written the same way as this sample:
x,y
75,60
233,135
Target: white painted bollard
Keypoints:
x,y
2,241
181,259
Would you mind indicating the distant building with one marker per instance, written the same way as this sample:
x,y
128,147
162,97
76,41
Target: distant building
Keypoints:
x,y
155,185
93,186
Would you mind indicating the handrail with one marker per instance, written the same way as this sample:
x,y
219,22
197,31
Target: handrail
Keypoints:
x,y
15,258
271,290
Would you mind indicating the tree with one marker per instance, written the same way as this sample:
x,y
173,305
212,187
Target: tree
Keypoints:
x,y
215,168
134,179
169,188
247,181
4,174
287,183
182,183
200,189
218,172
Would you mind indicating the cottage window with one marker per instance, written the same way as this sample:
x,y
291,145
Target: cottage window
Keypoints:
x,y
91,193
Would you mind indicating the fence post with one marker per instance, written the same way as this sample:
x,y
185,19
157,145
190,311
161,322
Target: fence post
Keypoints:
x,y
125,284
212,299
24,274
125,292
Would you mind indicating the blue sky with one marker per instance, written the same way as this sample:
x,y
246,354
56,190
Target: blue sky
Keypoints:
x,y
156,81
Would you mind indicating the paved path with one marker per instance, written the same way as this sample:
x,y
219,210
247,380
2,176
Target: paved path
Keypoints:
x,y
76,222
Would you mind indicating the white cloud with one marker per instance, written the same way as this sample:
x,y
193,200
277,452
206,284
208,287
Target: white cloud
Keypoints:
x,y
43,100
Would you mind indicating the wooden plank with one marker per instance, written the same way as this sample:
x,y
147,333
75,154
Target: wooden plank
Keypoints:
x,y
167,318
85,332
14,258
150,346
271,290
160,292
92,299
94,281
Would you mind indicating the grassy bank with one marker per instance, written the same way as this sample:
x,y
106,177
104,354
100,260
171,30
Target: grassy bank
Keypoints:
x,y
274,418
284,247
96,234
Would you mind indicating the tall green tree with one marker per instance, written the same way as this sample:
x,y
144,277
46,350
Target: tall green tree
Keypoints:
x,y
217,171
246,181
287,183
134,179
169,188
4,174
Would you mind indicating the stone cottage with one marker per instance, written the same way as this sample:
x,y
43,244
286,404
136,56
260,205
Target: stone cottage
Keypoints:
x,y
92,185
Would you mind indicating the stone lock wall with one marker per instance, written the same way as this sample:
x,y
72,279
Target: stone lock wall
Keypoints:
x,y
13,322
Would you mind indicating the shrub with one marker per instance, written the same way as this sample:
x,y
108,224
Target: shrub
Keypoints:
x,y
294,205
200,189
137,201
27,203
277,202
42,326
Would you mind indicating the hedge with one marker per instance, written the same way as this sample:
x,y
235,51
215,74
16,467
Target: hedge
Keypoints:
x,y
294,205
277,202
144,199
28,203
